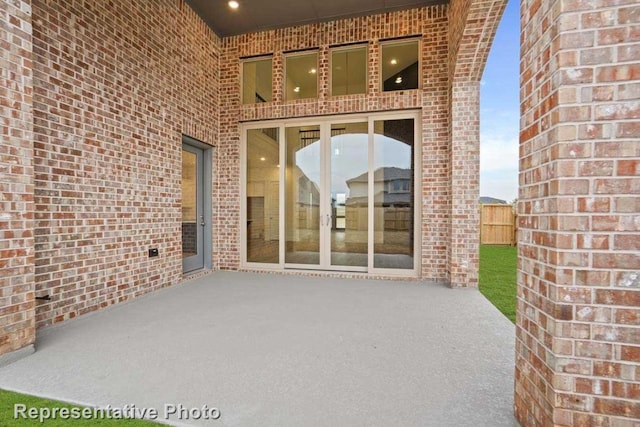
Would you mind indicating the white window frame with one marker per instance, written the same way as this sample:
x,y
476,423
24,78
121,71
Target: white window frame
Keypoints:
x,y
400,41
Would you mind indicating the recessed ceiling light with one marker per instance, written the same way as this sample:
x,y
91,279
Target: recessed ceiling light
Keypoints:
x,y
262,159
399,80
312,71
394,62
296,89
233,4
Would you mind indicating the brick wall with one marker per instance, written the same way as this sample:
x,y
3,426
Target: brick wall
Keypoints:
x,y
114,87
17,328
431,23
116,84
472,26
578,328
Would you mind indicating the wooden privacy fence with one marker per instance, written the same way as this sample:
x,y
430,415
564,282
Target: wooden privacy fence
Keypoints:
x,y
497,225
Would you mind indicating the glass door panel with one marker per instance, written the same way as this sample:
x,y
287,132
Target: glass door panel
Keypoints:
x,y
302,195
263,196
393,194
192,209
348,194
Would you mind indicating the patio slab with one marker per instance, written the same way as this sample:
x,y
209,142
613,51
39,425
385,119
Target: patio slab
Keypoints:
x,y
284,350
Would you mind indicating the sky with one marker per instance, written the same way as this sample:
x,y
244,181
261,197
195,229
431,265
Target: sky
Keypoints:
x,y
500,111
347,161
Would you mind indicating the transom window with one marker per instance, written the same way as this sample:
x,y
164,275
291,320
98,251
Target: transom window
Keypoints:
x,y
257,80
349,70
301,75
400,65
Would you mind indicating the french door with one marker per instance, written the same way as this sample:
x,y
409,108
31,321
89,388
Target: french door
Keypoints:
x,y
322,162
340,191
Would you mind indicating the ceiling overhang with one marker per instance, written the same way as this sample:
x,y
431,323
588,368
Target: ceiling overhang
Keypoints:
x,y
261,15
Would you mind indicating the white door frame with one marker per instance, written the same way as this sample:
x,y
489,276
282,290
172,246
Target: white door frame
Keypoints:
x,y
325,123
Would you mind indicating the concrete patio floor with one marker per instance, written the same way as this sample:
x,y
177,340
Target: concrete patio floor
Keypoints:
x,y
278,350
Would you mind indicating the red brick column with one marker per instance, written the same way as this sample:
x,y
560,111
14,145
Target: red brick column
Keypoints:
x,y
17,330
465,183
578,322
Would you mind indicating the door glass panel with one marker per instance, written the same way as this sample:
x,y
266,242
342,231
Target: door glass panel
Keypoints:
x,y
189,204
393,194
302,195
349,194
263,196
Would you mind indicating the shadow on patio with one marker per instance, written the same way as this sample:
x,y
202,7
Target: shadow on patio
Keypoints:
x,y
283,350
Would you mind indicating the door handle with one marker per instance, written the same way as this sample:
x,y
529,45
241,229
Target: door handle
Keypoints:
x,y
322,224
202,223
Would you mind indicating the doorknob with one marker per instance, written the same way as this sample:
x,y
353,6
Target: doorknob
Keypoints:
x,y
202,220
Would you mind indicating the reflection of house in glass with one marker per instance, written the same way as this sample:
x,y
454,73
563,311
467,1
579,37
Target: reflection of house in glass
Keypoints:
x,y
393,205
392,188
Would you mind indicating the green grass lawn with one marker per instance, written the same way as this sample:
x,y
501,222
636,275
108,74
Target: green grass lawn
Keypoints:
x,y
498,265
8,399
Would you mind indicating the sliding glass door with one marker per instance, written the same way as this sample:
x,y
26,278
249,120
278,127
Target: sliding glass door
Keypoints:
x,y
262,195
302,195
347,194
393,183
343,199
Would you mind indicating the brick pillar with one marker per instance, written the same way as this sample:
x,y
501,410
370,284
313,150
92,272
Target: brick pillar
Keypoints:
x,y
465,191
17,314
578,322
